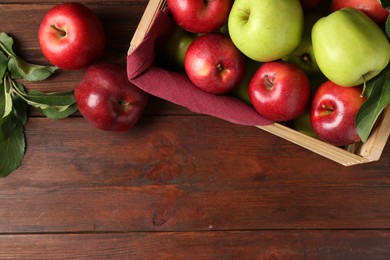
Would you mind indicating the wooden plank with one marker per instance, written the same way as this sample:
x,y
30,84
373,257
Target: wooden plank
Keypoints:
x,y
305,244
165,175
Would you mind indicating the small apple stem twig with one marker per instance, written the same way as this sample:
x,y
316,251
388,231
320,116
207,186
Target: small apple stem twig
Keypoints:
x,y
220,67
58,30
268,81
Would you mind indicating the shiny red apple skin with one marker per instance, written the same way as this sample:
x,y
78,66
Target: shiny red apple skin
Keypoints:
x,y
71,36
372,8
214,64
106,98
199,16
333,112
279,91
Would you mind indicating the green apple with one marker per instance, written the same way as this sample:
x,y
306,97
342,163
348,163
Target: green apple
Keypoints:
x,y
349,47
266,30
241,91
224,29
303,124
303,55
177,45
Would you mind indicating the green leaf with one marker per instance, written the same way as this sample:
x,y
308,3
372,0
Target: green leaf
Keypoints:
x,y
5,100
55,105
2,100
20,68
12,151
3,65
19,88
19,108
58,112
51,99
13,110
6,43
378,98
28,71
7,127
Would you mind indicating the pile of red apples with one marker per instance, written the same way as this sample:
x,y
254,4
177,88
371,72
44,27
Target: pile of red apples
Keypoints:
x,y
72,37
303,63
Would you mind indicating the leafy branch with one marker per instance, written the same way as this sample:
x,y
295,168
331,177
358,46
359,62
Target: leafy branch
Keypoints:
x,y
14,101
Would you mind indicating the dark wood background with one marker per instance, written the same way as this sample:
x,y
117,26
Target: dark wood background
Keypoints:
x,y
179,185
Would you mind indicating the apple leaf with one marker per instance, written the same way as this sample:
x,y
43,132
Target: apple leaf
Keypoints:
x,y
27,71
14,101
378,97
387,26
51,99
58,112
6,43
20,68
55,105
5,100
12,151
7,127
19,109
3,65
12,120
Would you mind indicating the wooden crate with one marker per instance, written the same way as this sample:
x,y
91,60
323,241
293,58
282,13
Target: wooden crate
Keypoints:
x,y
351,155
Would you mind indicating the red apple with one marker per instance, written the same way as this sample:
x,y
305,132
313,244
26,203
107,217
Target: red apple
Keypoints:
x,y
200,16
279,91
311,4
372,8
333,113
214,64
107,99
71,36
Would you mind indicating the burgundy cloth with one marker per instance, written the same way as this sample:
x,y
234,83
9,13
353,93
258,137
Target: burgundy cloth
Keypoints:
x,y
176,87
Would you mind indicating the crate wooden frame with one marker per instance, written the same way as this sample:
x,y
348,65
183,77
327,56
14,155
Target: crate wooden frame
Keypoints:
x,y
353,154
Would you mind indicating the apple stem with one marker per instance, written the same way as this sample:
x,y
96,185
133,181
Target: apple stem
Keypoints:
x,y
62,33
220,67
328,110
268,82
125,106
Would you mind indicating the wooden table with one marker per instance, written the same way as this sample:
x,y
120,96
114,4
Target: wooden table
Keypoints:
x,y
179,185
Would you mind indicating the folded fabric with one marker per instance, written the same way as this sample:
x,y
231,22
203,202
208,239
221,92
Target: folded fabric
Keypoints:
x,y
176,87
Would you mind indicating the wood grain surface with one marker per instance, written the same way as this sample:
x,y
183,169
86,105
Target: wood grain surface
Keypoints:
x,y
179,185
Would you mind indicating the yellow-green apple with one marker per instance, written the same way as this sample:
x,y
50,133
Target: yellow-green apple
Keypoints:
x,y
71,36
266,30
372,8
333,112
349,47
279,91
214,64
177,45
107,100
241,91
200,16
303,55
